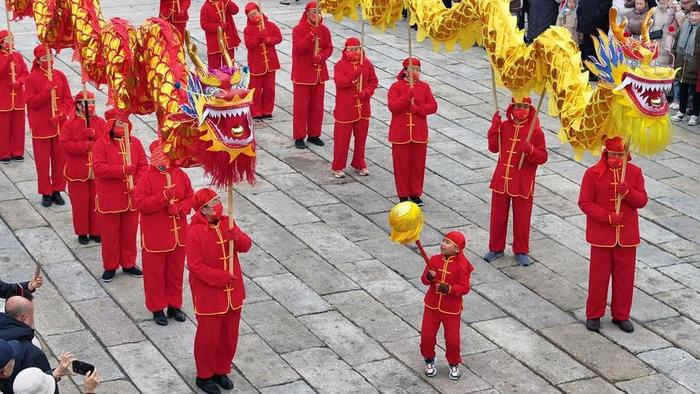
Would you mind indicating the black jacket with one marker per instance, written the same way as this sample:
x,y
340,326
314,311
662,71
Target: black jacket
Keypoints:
x,y
592,15
27,355
541,14
8,290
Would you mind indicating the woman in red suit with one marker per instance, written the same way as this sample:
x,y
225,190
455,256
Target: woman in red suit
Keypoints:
x,y
77,138
175,12
355,82
13,71
408,131
261,36
215,15
114,180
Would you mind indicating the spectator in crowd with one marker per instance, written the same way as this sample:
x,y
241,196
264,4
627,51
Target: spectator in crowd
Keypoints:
x,y
687,57
541,14
635,17
659,31
35,381
567,18
592,15
23,289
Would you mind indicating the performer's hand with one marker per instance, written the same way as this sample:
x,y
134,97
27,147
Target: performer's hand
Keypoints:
x,y
362,95
413,109
317,60
443,288
35,283
615,218
169,193
173,209
129,169
623,188
90,133
496,119
231,279
526,148
431,275
267,40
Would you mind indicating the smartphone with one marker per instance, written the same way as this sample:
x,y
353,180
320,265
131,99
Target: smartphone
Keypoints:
x,y
82,368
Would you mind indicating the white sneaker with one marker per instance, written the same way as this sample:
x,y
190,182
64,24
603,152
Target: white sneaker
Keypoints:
x,y
678,117
362,172
339,174
430,370
693,120
674,106
454,372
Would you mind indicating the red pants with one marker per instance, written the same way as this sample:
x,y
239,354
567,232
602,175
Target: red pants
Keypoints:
x,y
522,211
308,110
119,239
409,168
264,95
428,335
82,202
618,262
11,134
216,60
341,140
162,278
215,343
49,159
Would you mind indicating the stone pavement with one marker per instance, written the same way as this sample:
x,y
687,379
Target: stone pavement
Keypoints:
x,y
333,305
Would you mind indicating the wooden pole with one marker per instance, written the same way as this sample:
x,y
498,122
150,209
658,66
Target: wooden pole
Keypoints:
x,y
11,46
127,149
532,125
230,221
86,112
410,51
50,76
618,198
495,101
422,251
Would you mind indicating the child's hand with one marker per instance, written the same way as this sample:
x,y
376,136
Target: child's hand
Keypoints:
x,y
431,274
443,288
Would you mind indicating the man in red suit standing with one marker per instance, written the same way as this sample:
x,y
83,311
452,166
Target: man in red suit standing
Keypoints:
x,y
410,105
448,276
311,47
217,289
163,197
215,15
114,180
355,82
613,234
49,101
513,182
78,137
13,71
175,12
260,36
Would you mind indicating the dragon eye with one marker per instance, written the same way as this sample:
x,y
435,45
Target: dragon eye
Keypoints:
x,y
633,63
212,90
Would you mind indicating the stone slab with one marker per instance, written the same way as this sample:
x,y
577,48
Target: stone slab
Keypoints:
x,y
298,387
676,364
329,243
348,222
302,190
586,386
681,331
328,373
647,308
293,294
686,274
175,342
382,283
506,374
282,208
52,314
278,327
44,245
397,257
549,286
652,384
652,281
317,273
260,364
686,301
85,347
147,368
257,263
108,321
73,281
359,197
390,376
19,214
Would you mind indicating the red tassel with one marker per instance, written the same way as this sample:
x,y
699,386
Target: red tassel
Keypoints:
x,y
217,166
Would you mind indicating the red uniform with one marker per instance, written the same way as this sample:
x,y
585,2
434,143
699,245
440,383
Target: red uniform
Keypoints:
x,y
352,107
77,141
217,295
114,201
175,12
12,67
613,245
262,62
510,184
46,124
445,308
217,14
408,132
163,199
311,47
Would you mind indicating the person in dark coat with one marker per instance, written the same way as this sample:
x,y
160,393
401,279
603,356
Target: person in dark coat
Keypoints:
x,y
24,289
541,14
592,15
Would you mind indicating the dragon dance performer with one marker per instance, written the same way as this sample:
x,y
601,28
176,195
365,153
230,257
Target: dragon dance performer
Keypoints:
x,y
311,48
613,236
175,12
261,36
410,103
215,15
513,183
217,289
78,137
448,276
163,197
114,201
49,101
13,71
355,82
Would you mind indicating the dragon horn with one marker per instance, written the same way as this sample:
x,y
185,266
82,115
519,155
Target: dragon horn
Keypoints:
x,y
192,51
647,22
617,29
223,47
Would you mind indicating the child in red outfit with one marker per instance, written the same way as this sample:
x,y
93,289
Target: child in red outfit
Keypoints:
x,y
447,274
215,15
355,82
13,71
261,36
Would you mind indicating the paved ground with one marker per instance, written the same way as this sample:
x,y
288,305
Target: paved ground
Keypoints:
x,y
333,306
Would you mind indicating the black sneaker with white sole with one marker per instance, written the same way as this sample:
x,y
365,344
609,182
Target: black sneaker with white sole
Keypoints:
x,y
108,275
133,271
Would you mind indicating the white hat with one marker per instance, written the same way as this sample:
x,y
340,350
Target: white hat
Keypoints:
x,y
34,381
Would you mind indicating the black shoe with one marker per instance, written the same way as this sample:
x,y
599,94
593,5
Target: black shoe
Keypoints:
x,y
223,381
417,201
315,141
18,158
83,239
57,199
403,199
5,160
268,116
46,200
300,144
160,319
208,386
625,325
593,325
259,117
96,238
176,314
133,271
107,276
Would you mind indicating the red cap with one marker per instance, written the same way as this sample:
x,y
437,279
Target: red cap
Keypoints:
x,y
79,96
4,34
310,5
40,51
414,62
158,157
202,197
250,7
615,144
457,238
525,100
352,42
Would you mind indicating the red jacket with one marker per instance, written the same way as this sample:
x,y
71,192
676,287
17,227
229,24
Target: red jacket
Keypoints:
x,y
78,146
507,178
214,292
349,107
160,231
169,10
12,98
597,201
456,272
262,57
304,49
219,13
407,126
109,159
38,95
